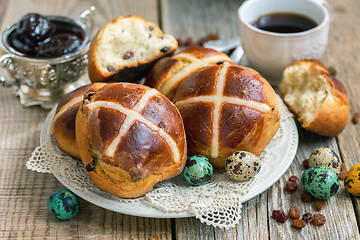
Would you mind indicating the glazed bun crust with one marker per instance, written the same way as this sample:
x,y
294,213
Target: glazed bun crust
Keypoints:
x,y
126,48
130,138
318,99
227,108
168,73
63,125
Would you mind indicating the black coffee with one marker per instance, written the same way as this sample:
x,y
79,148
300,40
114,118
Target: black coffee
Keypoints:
x,y
284,23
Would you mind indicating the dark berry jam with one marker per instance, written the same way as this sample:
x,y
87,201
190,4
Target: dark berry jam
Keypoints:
x,y
35,36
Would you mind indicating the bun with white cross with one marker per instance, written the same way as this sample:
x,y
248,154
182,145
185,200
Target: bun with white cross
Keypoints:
x,y
167,74
63,125
130,138
227,108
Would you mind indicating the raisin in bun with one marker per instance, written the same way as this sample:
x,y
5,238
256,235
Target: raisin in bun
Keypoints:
x,y
63,125
126,48
227,108
318,99
169,72
130,137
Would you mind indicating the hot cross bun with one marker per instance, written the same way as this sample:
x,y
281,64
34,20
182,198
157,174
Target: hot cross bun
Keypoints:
x,y
63,126
130,137
169,72
226,108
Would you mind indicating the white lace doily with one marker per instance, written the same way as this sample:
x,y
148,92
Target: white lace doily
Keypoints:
x,y
217,203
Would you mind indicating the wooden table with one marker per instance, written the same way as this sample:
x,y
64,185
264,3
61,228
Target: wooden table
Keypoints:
x,y
23,193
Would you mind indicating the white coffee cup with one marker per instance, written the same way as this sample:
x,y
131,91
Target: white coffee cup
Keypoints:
x,y
269,52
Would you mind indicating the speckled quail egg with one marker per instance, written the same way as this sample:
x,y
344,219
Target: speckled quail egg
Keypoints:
x,y
63,204
242,165
198,170
320,182
352,180
325,157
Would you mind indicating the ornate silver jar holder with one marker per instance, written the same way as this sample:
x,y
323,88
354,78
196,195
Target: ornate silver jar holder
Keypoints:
x,y
42,81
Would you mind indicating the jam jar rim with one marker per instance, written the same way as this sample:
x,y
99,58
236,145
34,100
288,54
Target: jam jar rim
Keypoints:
x,y
63,58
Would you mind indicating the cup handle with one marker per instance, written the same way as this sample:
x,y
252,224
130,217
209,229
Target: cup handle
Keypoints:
x,y
7,62
86,17
237,54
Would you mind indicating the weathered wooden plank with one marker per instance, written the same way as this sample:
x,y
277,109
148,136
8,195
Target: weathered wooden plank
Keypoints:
x,y
252,226
106,10
343,46
339,212
196,20
23,193
342,54
3,4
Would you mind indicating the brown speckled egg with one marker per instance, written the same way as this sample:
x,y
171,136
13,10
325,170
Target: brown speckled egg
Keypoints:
x,y
325,157
352,180
242,165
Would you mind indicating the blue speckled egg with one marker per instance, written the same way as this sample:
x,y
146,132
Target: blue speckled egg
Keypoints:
x,y
63,204
198,170
320,182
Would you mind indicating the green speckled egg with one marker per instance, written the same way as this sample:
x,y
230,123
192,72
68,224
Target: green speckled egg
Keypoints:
x,y
198,170
63,204
325,157
320,182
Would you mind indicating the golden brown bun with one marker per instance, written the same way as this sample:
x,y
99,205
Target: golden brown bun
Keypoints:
x,y
126,48
63,125
130,138
227,108
169,72
318,99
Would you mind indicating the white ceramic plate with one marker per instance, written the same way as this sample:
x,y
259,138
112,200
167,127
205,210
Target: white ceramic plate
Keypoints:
x,y
281,151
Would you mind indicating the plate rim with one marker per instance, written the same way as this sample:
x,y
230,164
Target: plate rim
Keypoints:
x,y
94,197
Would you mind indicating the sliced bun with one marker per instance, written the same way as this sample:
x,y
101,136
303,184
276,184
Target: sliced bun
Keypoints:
x,y
126,48
318,99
